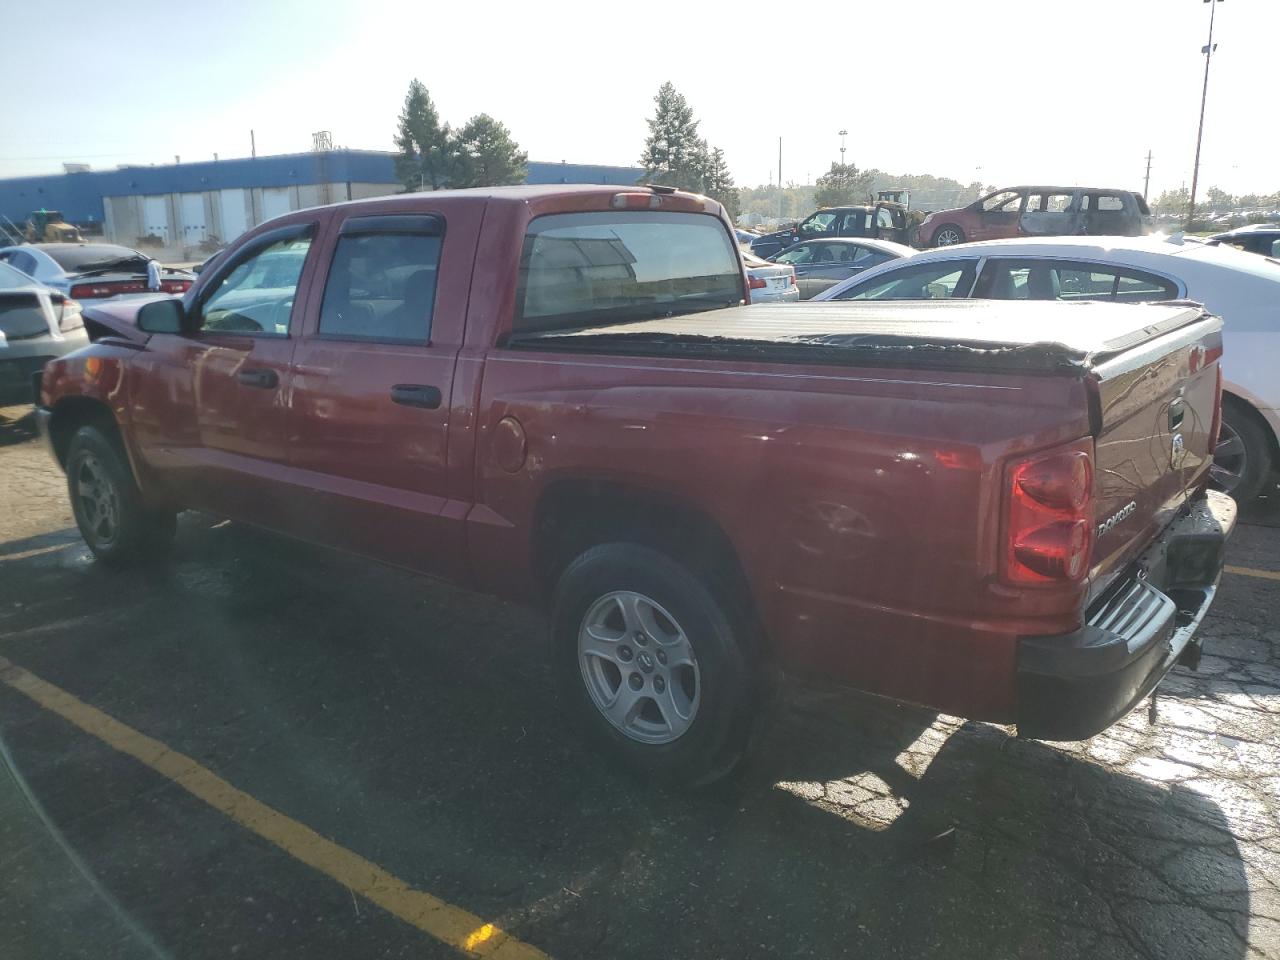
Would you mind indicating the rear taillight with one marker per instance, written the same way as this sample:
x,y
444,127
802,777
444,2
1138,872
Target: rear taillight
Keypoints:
x,y
96,291
175,286
791,279
70,318
757,283
1049,516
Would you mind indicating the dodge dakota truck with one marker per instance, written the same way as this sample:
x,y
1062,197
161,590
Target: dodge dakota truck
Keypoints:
x,y
555,395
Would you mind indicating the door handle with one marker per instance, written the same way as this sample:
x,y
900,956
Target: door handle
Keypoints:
x,y
263,379
416,395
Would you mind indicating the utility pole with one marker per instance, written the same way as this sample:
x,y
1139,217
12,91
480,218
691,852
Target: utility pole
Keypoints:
x,y
1146,181
1208,50
779,178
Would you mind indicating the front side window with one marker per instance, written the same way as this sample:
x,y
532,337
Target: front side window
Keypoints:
x,y
256,296
944,280
382,284
1006,201
802,253
884,217
593,269
818,223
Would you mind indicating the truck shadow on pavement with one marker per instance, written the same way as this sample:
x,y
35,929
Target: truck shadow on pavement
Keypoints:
x,y
413,723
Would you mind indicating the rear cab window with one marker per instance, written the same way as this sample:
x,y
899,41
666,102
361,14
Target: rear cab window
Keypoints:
x,y
594,269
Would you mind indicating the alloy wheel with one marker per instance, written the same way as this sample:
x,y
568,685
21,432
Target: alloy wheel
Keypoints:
x,y
98,499
639,667
1230,459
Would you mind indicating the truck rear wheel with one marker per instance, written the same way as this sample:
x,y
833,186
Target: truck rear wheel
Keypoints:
x,y
654,663
115,523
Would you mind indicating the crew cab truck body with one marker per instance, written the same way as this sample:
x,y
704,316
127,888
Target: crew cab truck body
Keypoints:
x,y
550,394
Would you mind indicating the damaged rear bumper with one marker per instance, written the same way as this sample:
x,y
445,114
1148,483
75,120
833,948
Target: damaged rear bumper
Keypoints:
x,y
1073,686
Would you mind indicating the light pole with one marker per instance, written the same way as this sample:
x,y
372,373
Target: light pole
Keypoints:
x,y
843,134
1208,50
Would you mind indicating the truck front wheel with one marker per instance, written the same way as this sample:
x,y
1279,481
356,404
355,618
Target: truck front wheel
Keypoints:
x,y
115,523
654,663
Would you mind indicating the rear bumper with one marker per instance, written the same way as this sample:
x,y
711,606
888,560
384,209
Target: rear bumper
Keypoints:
x,y
1073,686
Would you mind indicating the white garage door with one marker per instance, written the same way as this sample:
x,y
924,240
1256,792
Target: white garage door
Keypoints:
x,y
155,218
276,201
194,230
235,217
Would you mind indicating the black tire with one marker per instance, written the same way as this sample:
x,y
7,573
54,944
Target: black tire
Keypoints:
x,y
1242,457
728,684
947,230
118,527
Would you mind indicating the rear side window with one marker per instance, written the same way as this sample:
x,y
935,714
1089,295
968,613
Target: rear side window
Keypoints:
x,y
21,317
382,284
1107,201
1066,280
592,269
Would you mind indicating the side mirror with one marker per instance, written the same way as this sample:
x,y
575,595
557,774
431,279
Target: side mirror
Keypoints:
x,y
162,316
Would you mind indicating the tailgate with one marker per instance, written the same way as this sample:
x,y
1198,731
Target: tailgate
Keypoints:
x,y
1154,426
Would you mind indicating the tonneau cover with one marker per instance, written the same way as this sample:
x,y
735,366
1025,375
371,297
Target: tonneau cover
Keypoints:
x,y
1048,336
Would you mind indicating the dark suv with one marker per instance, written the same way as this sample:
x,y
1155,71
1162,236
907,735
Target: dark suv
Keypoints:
x,y
880,220
1039,212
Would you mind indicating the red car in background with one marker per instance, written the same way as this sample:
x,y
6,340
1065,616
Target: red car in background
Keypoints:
x,y
1039,211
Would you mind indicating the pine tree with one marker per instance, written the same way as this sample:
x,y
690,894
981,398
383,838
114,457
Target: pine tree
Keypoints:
x,y
426,150
718,182
486,156
673,153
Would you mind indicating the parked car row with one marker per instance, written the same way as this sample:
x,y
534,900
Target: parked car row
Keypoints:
x,y
1242,289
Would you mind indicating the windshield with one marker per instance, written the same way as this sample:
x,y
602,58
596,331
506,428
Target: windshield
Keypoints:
x,y
76,257
593,269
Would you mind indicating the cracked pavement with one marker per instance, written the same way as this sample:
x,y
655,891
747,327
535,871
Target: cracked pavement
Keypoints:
x,y
413,723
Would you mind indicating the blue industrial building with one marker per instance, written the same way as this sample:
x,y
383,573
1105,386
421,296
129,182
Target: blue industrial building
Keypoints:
x,y
221,197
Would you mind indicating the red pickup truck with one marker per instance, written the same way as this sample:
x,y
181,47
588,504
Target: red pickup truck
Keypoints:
x,y
554,395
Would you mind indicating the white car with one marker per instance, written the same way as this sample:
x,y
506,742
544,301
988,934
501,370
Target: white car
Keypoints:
x,y
770,282
1241,288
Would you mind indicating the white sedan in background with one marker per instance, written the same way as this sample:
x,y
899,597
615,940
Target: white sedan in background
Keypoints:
x,y
770,282
1241,288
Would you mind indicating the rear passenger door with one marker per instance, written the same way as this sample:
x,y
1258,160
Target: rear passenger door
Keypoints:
x,y
373,373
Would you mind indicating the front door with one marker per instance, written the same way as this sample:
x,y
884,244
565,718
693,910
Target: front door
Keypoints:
x,y
373,374
998,217
211,410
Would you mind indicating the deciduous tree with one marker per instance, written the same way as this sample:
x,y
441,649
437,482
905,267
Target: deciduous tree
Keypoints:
x,y
843,184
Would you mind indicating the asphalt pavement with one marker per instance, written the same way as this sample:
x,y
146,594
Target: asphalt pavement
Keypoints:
x,y
266,749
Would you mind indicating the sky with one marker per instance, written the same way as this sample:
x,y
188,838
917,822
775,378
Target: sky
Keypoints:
x,y
1003,91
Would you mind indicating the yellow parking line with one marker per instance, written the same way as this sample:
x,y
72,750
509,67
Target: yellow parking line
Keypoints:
x,y
445,922
1251,572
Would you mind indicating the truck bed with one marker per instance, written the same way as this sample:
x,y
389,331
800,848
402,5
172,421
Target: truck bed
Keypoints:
x,y
1050,337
